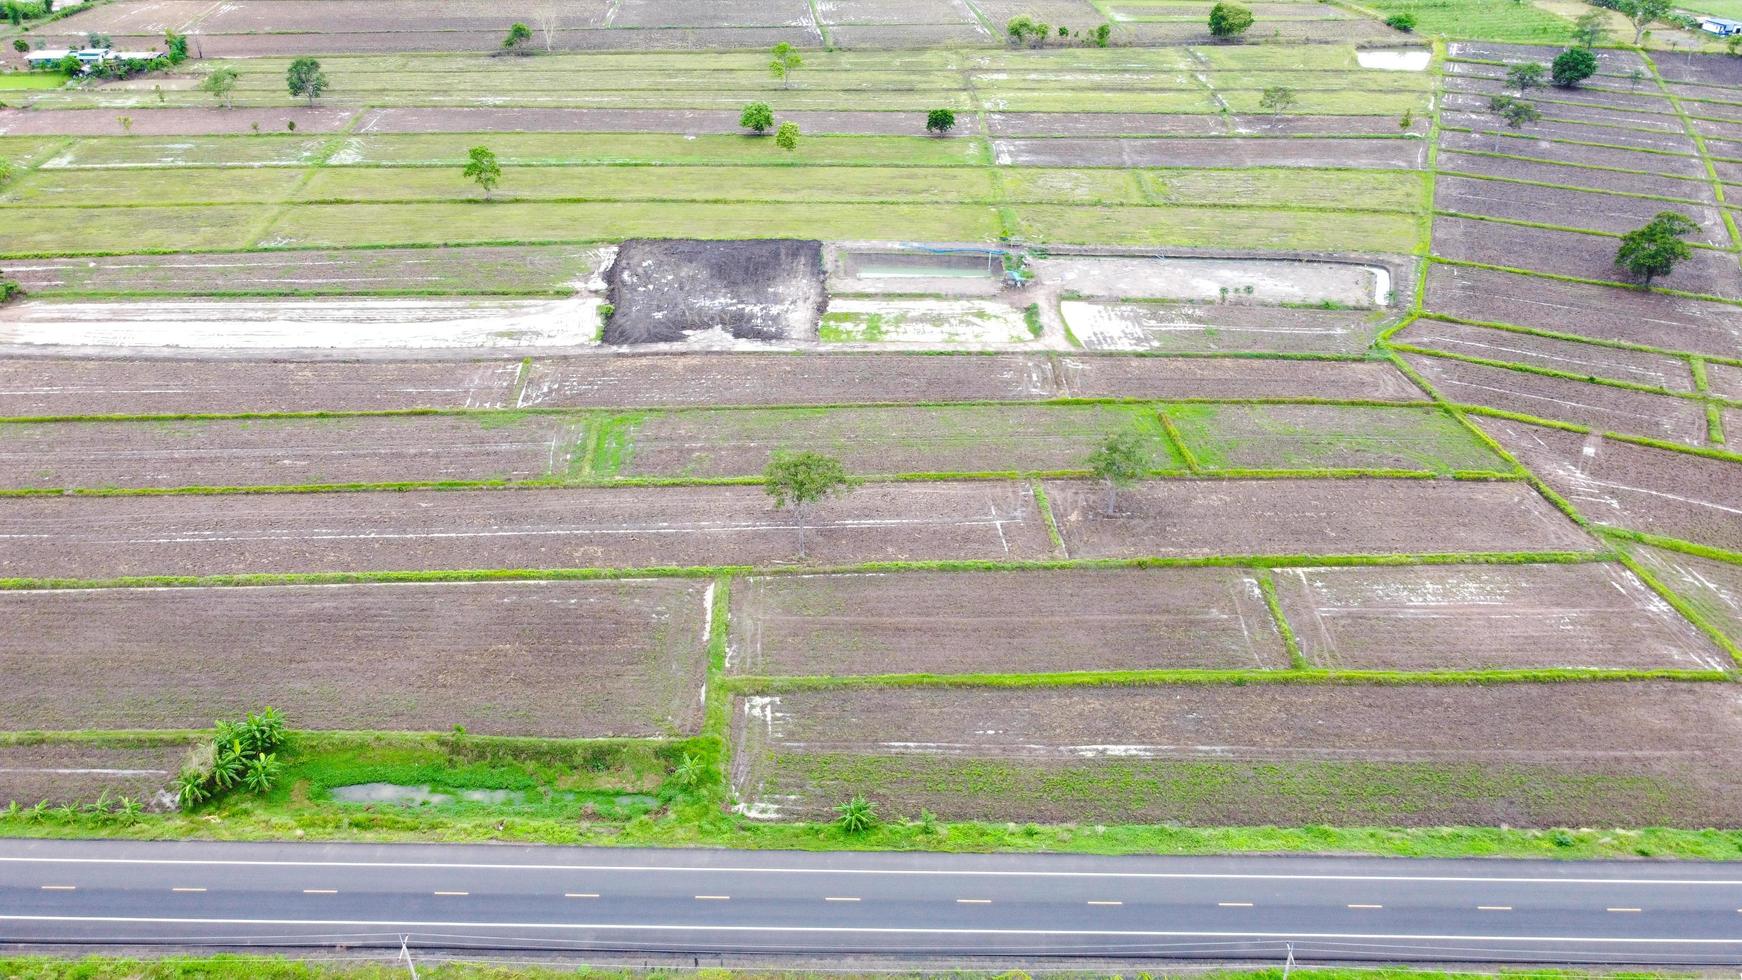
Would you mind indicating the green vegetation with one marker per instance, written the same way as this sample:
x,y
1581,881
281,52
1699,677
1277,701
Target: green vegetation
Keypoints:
x,y
1655,248
305,79
483,170
241,755
518,36
220,84
1493,20
786,137
1229,20
1287,437
757,117
1122,460
1404,22
1573,66
940,121
784,63
800,479
856,816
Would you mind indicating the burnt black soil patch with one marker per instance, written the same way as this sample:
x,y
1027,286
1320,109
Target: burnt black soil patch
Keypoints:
x,y
666,289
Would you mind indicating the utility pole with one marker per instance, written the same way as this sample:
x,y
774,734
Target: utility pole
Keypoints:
x,y
405,954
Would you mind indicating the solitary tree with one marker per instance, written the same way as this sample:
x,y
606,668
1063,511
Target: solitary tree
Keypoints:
x,y
1120,462
801,479
1524,77
786,137
1277,100
758,116
1653,249
220,84
483,170
518,35
1513,112
1572,66
1591,29
306,78
940,121
1643,13
1229,20
784,63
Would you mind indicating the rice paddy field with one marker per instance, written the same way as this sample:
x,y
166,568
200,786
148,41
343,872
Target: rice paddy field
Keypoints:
x,y
1431,544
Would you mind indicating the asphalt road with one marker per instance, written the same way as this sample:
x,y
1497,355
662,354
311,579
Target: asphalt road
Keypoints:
x,y
454,896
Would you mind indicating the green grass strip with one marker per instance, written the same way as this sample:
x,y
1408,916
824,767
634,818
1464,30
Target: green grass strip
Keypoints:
x,y
1150,678
1673,544
1290,642
1682,606
1044,504
1177,441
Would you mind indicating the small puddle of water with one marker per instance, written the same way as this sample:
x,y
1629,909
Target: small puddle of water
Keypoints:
x,y
1413,59
428,796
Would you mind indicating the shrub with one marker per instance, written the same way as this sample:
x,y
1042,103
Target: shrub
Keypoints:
x,y
856,816
1229,20
518,35
1573,66
240,754
1098,36
758,116
786,137
1401,22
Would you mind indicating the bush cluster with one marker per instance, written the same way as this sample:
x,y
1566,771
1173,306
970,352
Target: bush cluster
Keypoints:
x,y
242,754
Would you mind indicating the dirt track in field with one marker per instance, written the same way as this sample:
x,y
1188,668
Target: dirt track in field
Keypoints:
x,y
1322,517
1613,754
553,659
1043,621
631,527
1594,616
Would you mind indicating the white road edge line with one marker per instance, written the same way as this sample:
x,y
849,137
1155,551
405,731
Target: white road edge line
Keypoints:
x,y
580,894
839,898
713,898
1360,905
453,893
921,872
1493,908
1235,905
889,930
973,901
68,888
1105,902
178,889
320,891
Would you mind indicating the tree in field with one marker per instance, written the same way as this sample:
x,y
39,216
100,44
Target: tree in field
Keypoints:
x,y
220,84
940,121
1513,112
1591,29
1653,249
1229,20
482,169
1643,13
758,116
1277,100
305,78
1120,462
1572,66
801,479
1098,37
784,62
786,137
1023,29
518,35
1524,77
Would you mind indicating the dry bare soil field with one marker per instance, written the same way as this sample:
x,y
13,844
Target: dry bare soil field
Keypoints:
x,y
1437,521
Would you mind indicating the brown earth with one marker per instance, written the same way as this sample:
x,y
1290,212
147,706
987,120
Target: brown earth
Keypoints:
x,y
687,121
1523,755
1713,588
887,12
1724,380
341,271
1598,312
551,659
1692,189
1610,61
1002,622
1594,616
31,386
715,13
1562,112
664,289
1309,517
1658,491
1221,328
80,772
638,527
1603,407
353,16
1568,208
287,452
890,441
1619,364
1712,69
1526,145
1095,376
1645,99
383,42
1210,152
1568,253
1019,124
1724,130
173,122
860,37
1675,140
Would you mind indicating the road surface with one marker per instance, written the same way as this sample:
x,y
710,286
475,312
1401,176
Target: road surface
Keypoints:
x,y
770,902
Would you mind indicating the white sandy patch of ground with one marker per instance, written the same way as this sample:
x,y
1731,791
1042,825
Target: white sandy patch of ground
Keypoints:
x,y
1407,59
1138,327
305,324
1208,279
923,321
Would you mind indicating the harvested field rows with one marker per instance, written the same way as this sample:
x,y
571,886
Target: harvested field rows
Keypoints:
x,y
1619,754
1188,328
1310,517
553,659
1573,209
1677,495
1562,399
74,772
103,537
1572,357
1713,588
1046,621
1592,616
1564,253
